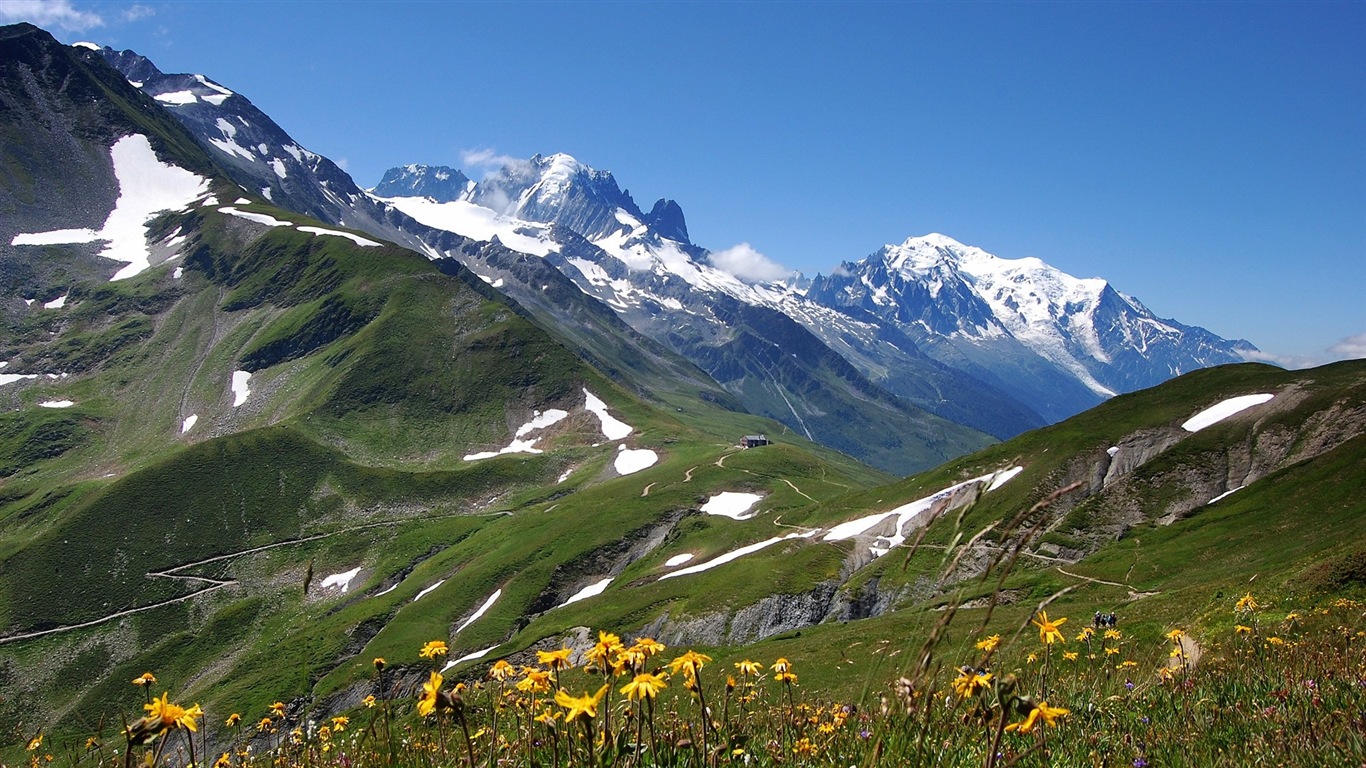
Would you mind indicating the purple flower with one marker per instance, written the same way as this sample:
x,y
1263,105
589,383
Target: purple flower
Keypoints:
x,y
1139,762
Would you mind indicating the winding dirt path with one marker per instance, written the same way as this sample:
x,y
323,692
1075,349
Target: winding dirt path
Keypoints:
x,y
798,490
646,491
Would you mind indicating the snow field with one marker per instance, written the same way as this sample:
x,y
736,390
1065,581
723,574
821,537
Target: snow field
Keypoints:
x,y
909,513
56,404
539,421
1222,410
737,554
612,427
425,591
147,186
469,657
629,462
188,423
341,580
240,391
493,598
592,590
731,504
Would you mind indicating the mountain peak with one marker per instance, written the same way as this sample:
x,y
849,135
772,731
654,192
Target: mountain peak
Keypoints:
x,y
438,182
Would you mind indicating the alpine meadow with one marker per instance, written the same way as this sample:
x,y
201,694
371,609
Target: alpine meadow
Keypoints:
x,y
511,472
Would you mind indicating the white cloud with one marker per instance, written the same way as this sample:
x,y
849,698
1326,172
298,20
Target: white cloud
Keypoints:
x,y
342,163
748,264
138,12
1293,362
1350,348
487,160
49,14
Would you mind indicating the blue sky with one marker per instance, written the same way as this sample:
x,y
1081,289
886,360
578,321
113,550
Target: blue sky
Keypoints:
x,y
1208,158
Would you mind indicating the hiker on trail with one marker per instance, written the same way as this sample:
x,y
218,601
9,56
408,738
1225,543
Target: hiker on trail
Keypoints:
x,y
1095,621
1113,619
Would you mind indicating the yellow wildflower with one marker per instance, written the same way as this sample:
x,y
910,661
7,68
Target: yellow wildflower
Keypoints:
x,y
35,742
379,663
644,686
233,720
555,660
433,649
688,664
369,701
751,668
1175,635
1041,711
430,689
989,644
649,645
278,709
340,722
970,681
146,678
1048,630
1085,634
501,670
1112,634
1070,655
1242,629
1246,603
607,645
535,681
580,706
170,715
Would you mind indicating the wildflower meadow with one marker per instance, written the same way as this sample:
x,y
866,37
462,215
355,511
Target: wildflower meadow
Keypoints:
x,y
1270,686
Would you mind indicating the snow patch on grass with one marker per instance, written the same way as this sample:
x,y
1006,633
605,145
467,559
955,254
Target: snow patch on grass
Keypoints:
x,y
612,427
341,580
428,589
357,239
737,554
259,218
469,657
493,598
592,590
1222,410
909,516
629,462
731,504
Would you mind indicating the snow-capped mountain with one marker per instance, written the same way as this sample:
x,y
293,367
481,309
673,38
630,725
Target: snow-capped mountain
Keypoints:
x,y
438,182
883,359
936,289
644,267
